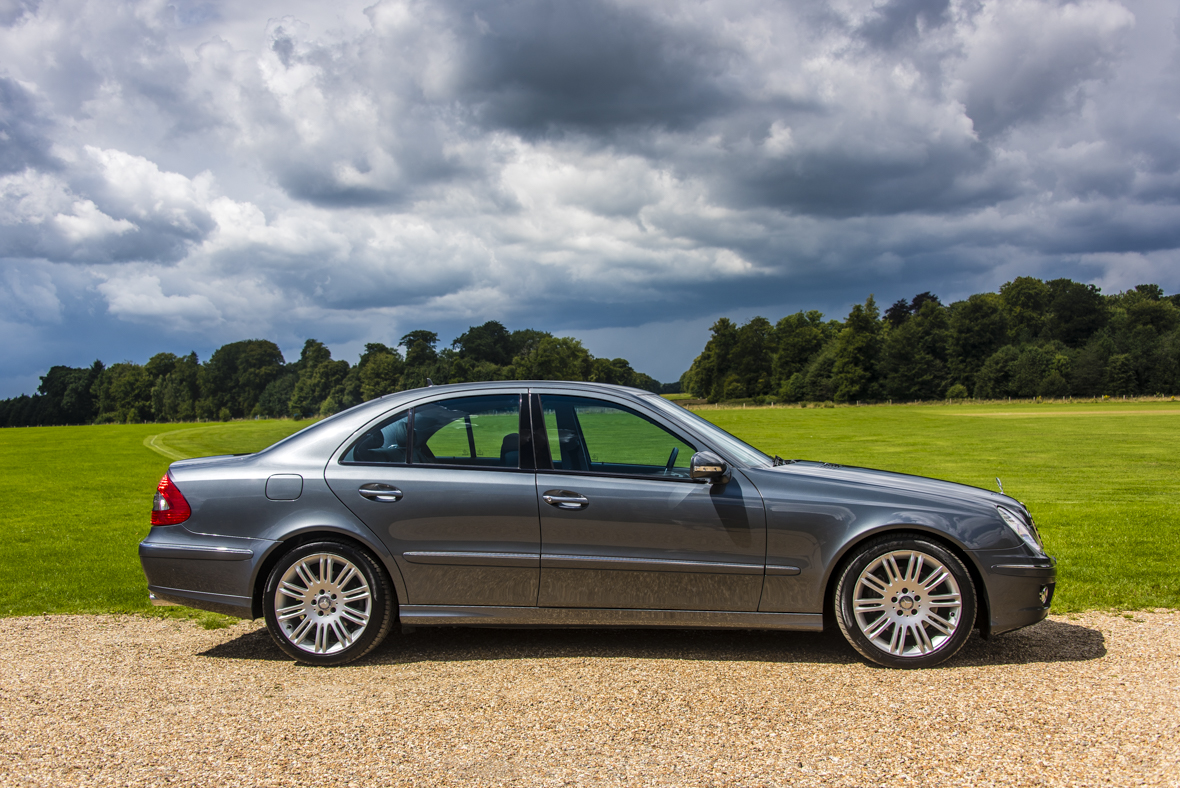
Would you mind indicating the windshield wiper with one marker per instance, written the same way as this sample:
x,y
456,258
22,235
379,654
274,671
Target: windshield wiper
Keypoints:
x,y
780,461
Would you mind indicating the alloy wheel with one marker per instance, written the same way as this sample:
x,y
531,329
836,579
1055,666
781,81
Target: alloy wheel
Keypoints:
x,y
323,604
907,603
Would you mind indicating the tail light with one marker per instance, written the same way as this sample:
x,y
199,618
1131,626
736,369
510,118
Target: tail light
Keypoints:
x,y
169,507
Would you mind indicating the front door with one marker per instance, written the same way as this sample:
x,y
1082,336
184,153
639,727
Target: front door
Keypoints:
x,y
622,525
442,485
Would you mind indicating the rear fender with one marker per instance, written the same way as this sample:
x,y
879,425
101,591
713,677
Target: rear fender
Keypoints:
x,y
312,533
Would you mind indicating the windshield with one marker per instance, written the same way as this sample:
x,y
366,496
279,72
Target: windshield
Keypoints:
x,y
738,449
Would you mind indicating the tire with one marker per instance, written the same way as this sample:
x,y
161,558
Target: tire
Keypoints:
x,y
905,602
328,603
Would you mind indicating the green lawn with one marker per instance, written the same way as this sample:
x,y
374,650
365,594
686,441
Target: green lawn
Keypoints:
x,y
204,440
75,501
1101,480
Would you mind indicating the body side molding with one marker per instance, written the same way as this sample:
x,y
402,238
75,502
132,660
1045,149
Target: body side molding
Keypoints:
x,y
647,564
479,615
471,558
192,551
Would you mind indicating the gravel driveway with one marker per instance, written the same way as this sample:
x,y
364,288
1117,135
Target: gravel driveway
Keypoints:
x,y
120,700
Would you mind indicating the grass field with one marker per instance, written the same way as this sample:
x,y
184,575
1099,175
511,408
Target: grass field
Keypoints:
x,y
1101,479
75,501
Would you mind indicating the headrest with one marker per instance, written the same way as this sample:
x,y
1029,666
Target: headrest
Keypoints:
x,y
397,435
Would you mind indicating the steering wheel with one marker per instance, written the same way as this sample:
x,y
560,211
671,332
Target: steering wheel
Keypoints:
x,y
671,461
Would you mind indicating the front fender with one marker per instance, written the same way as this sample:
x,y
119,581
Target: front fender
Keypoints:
x,y
813,523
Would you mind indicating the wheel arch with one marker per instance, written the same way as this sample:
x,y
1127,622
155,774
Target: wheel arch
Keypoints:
x,y
852,548
315,534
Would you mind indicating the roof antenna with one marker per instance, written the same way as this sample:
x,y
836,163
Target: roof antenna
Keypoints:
x,y
430,382
1000,484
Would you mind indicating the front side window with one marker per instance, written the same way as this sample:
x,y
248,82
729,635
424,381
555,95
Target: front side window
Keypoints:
x,y
596,436
469,431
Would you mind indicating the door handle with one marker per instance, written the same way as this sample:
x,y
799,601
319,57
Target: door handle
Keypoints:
x,y
382,493
564,499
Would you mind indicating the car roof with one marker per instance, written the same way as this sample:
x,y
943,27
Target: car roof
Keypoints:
x,y
532,384
331,430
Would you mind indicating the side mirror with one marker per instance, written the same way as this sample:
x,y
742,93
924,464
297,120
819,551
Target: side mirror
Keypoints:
x,y
708,466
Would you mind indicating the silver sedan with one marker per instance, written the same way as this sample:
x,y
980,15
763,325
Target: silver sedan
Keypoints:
x,y
581,505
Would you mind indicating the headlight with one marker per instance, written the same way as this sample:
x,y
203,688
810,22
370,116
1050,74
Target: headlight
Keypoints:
x,y
1024,530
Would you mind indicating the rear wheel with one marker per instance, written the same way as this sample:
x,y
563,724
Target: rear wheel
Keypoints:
x,y
905,602
328,603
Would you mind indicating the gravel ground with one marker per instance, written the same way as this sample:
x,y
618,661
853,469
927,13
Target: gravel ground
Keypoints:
x,y
121,700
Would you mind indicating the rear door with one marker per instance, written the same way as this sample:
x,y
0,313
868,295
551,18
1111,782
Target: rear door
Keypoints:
x,y
622,525
444,485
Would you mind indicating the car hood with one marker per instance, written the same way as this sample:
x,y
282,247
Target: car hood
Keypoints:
x,y
904,483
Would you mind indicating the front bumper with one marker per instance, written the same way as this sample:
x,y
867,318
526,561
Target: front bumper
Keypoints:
x,y
1020,591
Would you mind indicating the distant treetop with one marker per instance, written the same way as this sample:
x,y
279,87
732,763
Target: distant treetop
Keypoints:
x,y
251,378
1033,338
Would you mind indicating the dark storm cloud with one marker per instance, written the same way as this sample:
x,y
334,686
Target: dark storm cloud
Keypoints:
x,y
24,132
898,22
11,11
543,65
835,183
1035,61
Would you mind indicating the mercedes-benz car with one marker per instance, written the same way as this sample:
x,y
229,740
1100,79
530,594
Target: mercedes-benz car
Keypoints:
x,y
522,504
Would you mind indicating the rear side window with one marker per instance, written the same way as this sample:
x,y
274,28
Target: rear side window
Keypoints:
x,y
385,444
464,431
602,437
469,431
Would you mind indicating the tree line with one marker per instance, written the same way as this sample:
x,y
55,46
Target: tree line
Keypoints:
x,y
1033,338
250,378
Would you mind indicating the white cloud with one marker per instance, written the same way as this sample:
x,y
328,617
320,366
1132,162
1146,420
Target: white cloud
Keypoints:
x,y
142,299
87,223
141,189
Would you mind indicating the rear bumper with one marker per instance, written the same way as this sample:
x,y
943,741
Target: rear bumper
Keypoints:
x,y
197,570
1020,591
238,606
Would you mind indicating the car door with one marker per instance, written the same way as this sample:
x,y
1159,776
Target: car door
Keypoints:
x,y
622,525
444,485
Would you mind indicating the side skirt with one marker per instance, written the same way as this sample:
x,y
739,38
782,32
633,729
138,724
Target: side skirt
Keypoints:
x,y
488,616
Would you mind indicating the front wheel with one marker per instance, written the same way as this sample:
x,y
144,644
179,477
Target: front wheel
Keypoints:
x,y
905,602
327,603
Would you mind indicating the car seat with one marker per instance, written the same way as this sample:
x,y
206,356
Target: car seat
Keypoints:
x,y
573,453
368,448
510,451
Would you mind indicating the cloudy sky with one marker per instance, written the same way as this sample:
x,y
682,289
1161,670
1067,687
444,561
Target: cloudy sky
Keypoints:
x,y
176,175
